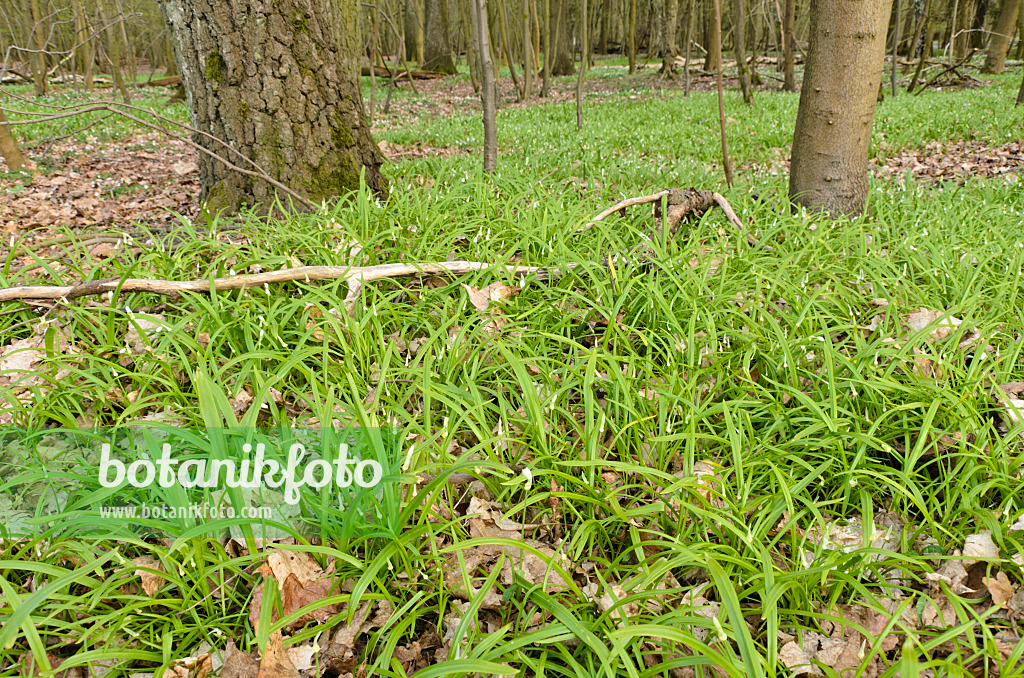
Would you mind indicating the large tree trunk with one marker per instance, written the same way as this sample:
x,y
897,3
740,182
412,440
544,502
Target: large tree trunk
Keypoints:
x,y
277,81
562,63
829,169
438,49
788,43
1005,26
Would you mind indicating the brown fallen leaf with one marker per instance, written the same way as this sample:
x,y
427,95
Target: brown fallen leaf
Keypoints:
x,y
301,582
238,664
276,662
151,581
999,587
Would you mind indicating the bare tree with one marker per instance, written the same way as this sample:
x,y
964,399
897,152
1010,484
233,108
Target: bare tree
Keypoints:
x,y
438,48
481,32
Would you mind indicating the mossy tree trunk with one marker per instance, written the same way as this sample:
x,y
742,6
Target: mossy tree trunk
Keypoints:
x,y
438,47
829,168
277,81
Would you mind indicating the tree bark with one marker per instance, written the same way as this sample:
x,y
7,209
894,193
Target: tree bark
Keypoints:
x,y
562,63
606,27
788,41
277,81
438,47
829,168
414,31
548,28
1005,26
39,60
487,92
713,42
631,36
739,39
668,39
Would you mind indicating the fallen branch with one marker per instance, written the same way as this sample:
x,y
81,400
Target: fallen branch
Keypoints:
x,y
415,74
355,276
622,205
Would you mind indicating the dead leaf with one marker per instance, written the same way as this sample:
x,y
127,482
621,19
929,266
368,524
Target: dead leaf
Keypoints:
x,y
151,581
276,662
999,587
238,664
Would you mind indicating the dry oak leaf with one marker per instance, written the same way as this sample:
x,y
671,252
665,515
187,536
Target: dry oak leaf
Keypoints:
x,y
151,581
482,298
276,663
918,320
999,587
301,582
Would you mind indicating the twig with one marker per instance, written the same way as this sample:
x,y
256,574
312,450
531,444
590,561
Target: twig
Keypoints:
x,y
621,205
730,214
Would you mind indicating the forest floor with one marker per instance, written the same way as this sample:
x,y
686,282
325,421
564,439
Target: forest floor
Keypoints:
x,y
796,458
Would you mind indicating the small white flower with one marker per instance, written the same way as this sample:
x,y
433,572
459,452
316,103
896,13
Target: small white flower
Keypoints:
x,y
528,474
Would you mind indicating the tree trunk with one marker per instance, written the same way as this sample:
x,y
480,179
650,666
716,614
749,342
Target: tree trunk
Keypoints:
x,y
39,62
1005,26
829,168
1020,94
631,36
548,28
527,52
896,48
739,40
277,81
606,27
84,44
584,62
414,31
562,63
713,44
668,39
977,39
438,47
482,32
114,51
9,147
788,42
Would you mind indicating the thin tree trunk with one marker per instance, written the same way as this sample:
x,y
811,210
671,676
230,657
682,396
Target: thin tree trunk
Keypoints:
x,y
127,50
549,26
84,44
631,36
1020,94
788,43
536,35
924,29
39,62
668,39
829,167
721,98
482,31
507,44
585,49
527,52
114,54
896,48
606,27
689,39
739,39
713,41
1003,30
9,147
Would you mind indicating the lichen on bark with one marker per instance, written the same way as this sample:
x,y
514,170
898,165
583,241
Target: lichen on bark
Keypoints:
x,y
278,81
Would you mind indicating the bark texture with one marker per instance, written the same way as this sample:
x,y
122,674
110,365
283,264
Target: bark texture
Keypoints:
x,y
1005,26
438,48
829,168
9,147
277,81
